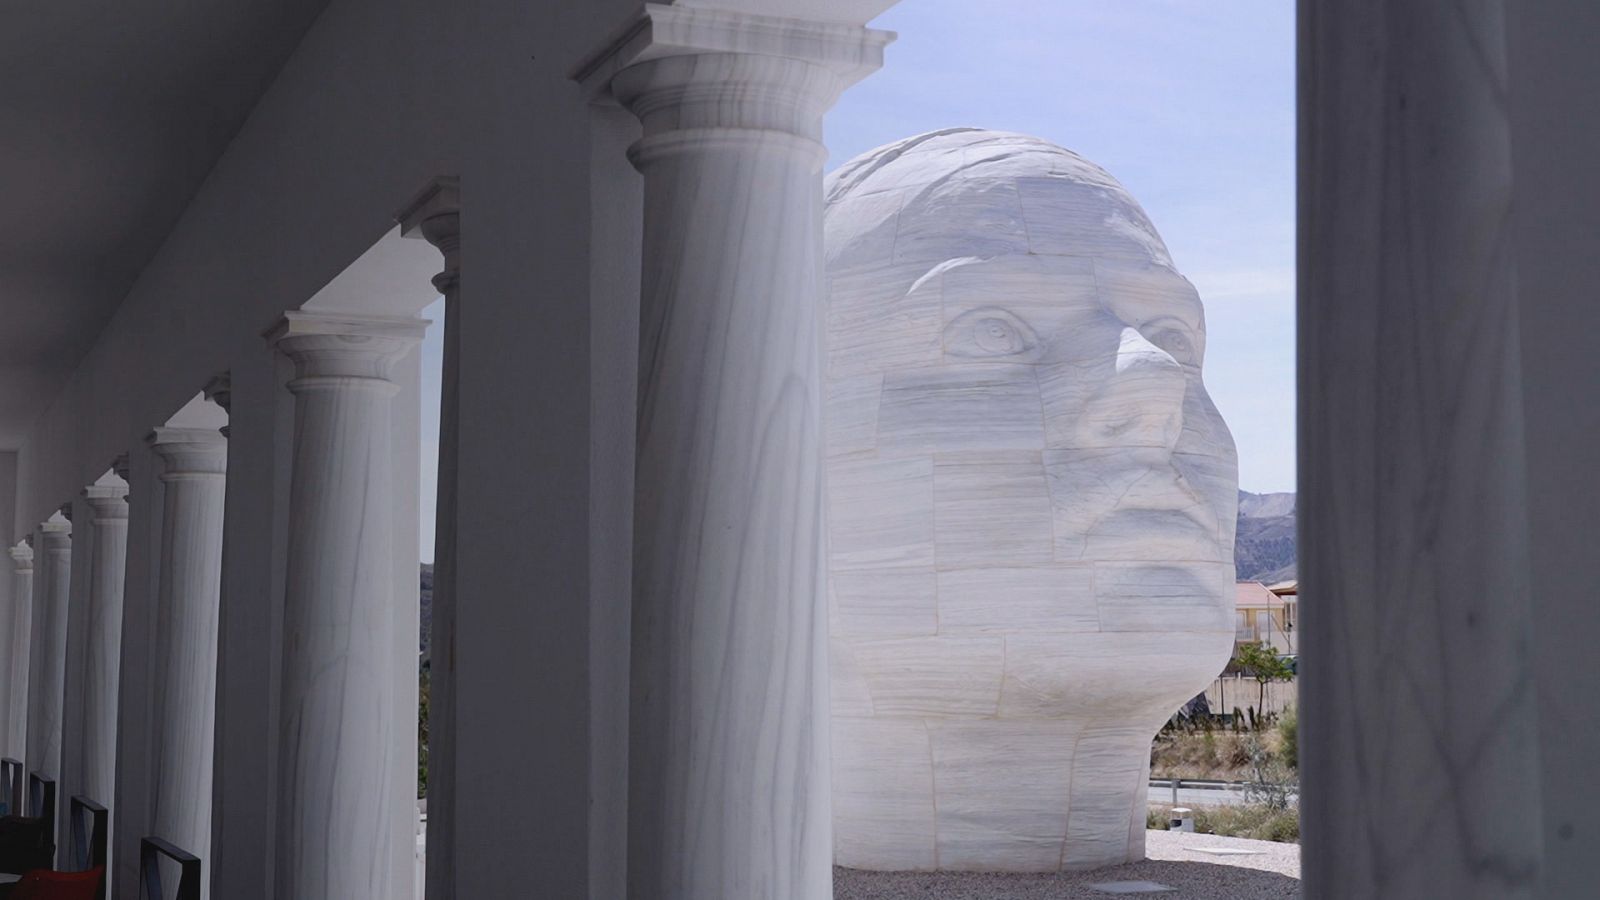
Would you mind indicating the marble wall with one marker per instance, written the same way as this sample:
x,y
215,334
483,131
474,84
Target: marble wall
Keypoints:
x,y
1031,501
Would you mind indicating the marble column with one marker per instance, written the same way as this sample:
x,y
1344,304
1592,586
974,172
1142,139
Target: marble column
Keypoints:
x,y
108,501
1420,744
729,795
184,670
15,645
435,216
335,802
48,658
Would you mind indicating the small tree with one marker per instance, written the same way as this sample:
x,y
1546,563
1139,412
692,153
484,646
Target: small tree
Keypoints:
x,y
1264,665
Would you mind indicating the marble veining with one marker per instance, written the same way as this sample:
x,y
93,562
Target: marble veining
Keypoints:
x,y
337,732
1415,552
184,671
1030,504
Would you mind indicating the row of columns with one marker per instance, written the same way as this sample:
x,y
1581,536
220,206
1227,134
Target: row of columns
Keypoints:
x,y
727,783
337,688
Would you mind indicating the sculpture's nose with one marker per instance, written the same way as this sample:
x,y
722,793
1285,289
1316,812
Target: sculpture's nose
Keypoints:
x,y
1141,404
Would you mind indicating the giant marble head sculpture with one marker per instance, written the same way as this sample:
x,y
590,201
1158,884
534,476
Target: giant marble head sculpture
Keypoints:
x,y
1031,501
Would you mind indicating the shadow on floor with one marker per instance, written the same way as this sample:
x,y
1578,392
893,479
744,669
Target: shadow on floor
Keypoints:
x,y
1190,881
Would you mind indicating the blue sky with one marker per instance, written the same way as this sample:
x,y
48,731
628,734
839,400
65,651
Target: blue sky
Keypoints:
x,y
1189,103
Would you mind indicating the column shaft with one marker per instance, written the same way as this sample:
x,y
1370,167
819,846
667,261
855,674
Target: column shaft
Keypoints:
x,y
103,647
728,764
194,489
48,667
1420,745
334,788
15,644
435,216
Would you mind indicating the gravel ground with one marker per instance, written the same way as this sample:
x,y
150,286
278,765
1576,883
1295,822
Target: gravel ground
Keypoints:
x,y
1272,873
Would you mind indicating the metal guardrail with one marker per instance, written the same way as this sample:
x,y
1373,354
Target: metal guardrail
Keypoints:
x,y
1202,784
1197,784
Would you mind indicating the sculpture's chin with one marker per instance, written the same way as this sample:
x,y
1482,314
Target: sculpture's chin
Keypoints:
x,y
1127,677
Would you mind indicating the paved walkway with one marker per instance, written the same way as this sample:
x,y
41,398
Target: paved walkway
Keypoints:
x,y
1246,870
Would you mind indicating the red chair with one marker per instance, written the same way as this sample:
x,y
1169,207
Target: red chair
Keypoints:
x,y
43,884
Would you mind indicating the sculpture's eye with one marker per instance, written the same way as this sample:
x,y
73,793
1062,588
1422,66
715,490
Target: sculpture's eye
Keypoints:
x,y
989,333
1176,343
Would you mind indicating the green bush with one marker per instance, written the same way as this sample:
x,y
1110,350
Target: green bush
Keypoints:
x,y
1289,738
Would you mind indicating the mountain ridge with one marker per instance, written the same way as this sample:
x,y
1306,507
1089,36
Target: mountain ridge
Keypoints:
x,y
1265,548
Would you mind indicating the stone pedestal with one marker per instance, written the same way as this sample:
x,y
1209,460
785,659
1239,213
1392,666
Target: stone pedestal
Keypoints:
x,y
14,653
194,489
47,664
107,499
729,753
335,800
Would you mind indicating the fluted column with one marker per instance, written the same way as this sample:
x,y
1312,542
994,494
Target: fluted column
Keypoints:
x,y
728,762
338,680
14,644
48,667
194,489
107,499
436,217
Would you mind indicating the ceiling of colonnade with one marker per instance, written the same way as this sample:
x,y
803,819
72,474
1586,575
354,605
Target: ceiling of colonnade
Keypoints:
x,y
111,115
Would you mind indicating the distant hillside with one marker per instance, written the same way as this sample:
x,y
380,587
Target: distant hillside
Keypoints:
x,y
1265,548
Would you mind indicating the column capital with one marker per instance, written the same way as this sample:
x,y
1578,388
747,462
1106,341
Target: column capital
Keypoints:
x,y
122,466
22,556
56,533
108,498
332,350
657,31
219,390
190,452
435,216
702,80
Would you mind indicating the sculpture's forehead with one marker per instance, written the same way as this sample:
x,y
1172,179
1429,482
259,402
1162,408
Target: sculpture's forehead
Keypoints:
x,y
963,193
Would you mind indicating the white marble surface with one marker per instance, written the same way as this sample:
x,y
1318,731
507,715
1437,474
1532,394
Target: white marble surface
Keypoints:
x,y
102,651
728,747
14,653
47,660
1413,506
1030,502
184,668
337,729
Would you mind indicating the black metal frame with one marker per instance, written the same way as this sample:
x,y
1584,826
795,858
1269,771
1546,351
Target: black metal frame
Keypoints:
x,y
88,846
42,805
42,800
11,785
150,849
